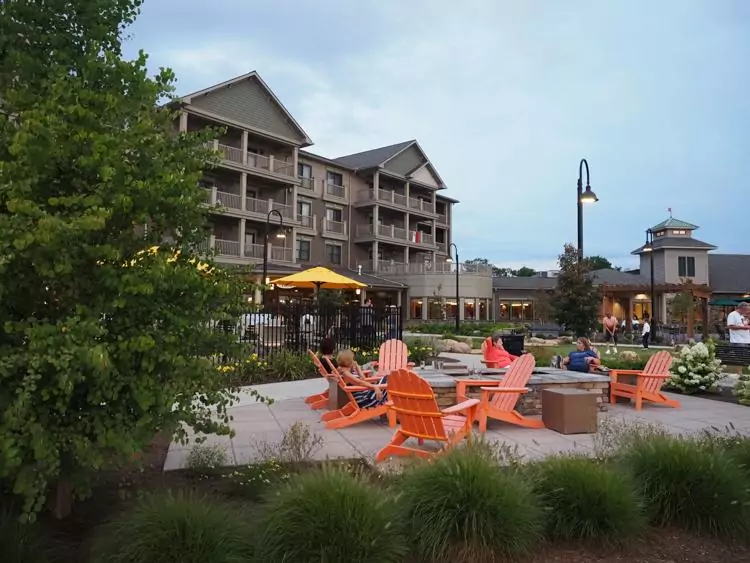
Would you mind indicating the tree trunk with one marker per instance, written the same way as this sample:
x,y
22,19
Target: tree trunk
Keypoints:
x,y
63,503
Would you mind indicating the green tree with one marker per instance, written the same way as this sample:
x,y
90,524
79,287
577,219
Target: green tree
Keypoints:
x,y
575,300
106,334
496,272
543,309
525,272
598,263
681,306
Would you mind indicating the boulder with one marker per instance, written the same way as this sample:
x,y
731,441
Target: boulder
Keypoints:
x,y
454,346
628,356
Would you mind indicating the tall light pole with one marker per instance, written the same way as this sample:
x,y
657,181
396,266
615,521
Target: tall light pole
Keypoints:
x,y
649,247
587,196
454,248
280,234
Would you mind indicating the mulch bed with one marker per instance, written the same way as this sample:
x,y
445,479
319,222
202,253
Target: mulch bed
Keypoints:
x,y
117,490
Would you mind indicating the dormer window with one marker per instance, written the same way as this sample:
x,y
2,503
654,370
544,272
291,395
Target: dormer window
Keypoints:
x,y
679,232
660,233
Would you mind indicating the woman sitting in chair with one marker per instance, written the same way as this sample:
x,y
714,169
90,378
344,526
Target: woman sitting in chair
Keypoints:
x,y
495,355
327,349
583,359
374,395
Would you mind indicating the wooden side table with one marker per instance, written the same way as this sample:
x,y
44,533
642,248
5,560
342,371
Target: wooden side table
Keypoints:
x,y
570,411
337,397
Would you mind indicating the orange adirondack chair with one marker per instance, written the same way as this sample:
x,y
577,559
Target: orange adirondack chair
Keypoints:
x,y
420,417
320,400
351,413
648,382
499,398
393,355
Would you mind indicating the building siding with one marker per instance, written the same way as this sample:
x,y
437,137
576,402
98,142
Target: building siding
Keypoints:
x,y
406,161
248,102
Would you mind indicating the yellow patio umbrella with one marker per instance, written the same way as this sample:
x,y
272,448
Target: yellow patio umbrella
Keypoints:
x,y
319,278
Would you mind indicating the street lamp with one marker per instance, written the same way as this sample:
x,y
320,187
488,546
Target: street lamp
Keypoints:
x,y
454,248
587,196
649,247
280,234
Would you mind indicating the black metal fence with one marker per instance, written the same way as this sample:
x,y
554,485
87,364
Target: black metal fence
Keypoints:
x,y
301,326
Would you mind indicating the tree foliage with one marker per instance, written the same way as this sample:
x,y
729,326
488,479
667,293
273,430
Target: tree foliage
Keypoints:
x,y
599,263
682,305
576,300
105,337
523,272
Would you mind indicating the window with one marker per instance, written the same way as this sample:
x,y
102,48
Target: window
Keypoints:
x,y
304,170
686,266
334,178
304,208
334,214
303,250
333,253
680,232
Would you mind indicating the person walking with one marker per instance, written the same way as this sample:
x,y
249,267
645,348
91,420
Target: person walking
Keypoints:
x,y
646,331
610,330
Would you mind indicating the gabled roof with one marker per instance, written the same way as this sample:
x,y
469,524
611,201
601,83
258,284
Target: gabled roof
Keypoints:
x,y
374,157
677,242
729,273
253,75
607,276
673,223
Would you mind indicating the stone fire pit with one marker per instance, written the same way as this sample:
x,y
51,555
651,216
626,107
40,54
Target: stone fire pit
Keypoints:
x,y
530,403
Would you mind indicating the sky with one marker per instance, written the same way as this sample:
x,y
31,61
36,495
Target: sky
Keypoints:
x,y
506,97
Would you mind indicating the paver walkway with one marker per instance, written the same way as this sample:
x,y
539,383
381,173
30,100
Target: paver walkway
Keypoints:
x,y
256,424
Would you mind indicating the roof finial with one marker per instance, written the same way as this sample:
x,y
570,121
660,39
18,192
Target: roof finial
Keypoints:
x,y
669,209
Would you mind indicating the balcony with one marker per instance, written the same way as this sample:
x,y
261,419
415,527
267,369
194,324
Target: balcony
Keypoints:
x,y
442,247
268,166
255,208
307,183
438,267
335,229
308,222
281,254
233,251
254,251
392,233
335,192
442,220
227,247
420,205
387,197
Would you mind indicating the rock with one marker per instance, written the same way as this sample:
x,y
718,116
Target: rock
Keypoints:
x,y
454,346
628,356
463,348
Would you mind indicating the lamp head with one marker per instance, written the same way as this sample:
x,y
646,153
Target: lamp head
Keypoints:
x,y
588,196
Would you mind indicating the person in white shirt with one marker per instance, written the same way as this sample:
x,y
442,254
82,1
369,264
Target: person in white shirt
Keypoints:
x,y
739,329
645,331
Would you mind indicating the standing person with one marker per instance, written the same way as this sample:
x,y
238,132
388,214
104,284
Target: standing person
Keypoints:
x,y
635,322
610,330
646,331
737,324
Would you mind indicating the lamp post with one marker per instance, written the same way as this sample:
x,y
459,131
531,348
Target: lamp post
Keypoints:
x,y
265,249
649,247
454,248
587,196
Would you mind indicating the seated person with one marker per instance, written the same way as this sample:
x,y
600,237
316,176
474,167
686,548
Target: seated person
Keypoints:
x,y
374,395
494,353
584,358
327,349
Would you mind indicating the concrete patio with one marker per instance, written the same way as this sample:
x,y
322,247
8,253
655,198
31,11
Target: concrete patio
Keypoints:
x,y
256,424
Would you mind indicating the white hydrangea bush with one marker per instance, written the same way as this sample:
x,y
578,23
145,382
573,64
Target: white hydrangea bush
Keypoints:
x,y
696,368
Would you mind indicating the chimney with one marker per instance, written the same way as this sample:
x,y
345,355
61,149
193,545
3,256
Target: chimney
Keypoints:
x,y
359,269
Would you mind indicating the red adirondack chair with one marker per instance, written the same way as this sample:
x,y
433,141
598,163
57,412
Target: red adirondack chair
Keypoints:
x,y
420,417
648,382
499,398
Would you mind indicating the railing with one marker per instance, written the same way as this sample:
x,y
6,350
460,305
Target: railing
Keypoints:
x,y
336,227
282,167
391,197
286,210
232,154
258,161
336,191
307,183
227,247
307,221
254,205
281,254
363,230
254,251
230,201
442,246
392,231
442,219
421,205
365,194
438,267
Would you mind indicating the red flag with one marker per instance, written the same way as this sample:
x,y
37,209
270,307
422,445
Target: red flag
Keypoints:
x,y
669,209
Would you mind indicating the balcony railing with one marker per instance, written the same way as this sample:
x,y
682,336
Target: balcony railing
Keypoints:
x,y
442,246
254,251
336,190
228,200
279,166
392,231
335,227
442,219
421,205
282,167
254,205
307,183
308,221
287,212
281,254
227,247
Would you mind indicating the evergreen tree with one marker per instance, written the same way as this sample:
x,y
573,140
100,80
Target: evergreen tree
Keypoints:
x,y
576,300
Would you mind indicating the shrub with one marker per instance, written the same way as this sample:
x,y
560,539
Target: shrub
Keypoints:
x,y
688,484
613,436
696,368
176,529
206,459
462,507
586,500
365,355
285,365
733,443
20,542
742,389
333,516
418,351
298,446
252,480
542,354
